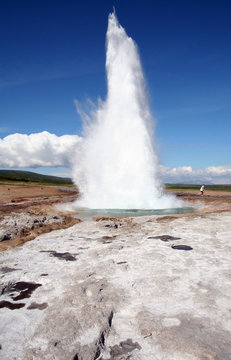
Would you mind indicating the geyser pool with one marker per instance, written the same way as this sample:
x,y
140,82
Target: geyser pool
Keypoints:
x,y
130,212
115,165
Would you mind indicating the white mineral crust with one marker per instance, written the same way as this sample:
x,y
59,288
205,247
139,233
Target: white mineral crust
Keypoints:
x,y
127,295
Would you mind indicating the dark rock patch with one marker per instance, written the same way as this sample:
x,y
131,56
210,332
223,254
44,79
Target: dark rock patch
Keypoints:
x,y
107,239
91,274
97,353
63,256
35,305
6,269
11,306
6,237
164,237
182,247
124,347
44,275
110,319
24,289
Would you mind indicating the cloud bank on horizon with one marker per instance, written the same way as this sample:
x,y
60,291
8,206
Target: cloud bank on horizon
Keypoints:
x,y
49,150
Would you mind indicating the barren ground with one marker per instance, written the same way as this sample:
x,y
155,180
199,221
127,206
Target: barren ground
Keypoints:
x,y
153,287
18,201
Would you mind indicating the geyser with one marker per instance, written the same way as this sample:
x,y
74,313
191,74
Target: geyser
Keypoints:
x,y
115,165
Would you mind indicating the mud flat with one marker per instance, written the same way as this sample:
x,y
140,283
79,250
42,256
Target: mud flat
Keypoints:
x,y
149,287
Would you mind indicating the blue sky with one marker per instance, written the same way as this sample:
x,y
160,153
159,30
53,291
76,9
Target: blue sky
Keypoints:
x,y
53,52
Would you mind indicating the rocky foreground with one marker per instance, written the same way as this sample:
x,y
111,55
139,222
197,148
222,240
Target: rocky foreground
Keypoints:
x,y
148,287
27,211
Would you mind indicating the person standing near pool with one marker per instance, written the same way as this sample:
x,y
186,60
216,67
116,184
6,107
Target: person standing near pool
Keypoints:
x,y
202,189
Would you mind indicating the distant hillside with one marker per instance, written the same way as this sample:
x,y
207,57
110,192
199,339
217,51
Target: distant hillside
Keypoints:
x,y
197,187
31,177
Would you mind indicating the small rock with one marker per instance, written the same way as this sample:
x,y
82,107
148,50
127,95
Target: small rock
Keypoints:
x,y
164,237
24,289
6,269
65,256
182,247
35,305
124,347
10,305
5,237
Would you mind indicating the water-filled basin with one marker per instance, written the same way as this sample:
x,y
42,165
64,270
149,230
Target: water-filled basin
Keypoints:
x,y
132,212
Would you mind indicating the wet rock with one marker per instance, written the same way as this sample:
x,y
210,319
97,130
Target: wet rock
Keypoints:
x,y
5,237
124,347
24,289
164,237
35,305
182,247
11,306
110,317
64,256
6,269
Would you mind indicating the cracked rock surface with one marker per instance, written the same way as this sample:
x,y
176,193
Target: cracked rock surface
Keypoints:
x,y
120,292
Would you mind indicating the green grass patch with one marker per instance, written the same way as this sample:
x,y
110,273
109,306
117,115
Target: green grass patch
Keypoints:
x,y
197,187
31,177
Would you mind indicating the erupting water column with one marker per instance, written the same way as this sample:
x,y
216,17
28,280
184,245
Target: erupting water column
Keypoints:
x,y
116,166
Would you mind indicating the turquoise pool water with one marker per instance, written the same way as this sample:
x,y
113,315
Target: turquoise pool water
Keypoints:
x,y
132,212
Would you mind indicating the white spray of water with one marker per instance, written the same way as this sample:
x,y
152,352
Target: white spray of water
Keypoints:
x,y
116,166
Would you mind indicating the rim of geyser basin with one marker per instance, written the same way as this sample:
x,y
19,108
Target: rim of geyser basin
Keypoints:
x,y
131,212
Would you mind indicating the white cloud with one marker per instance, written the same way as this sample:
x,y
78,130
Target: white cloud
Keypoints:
x,y
186,174
49,150
35,150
